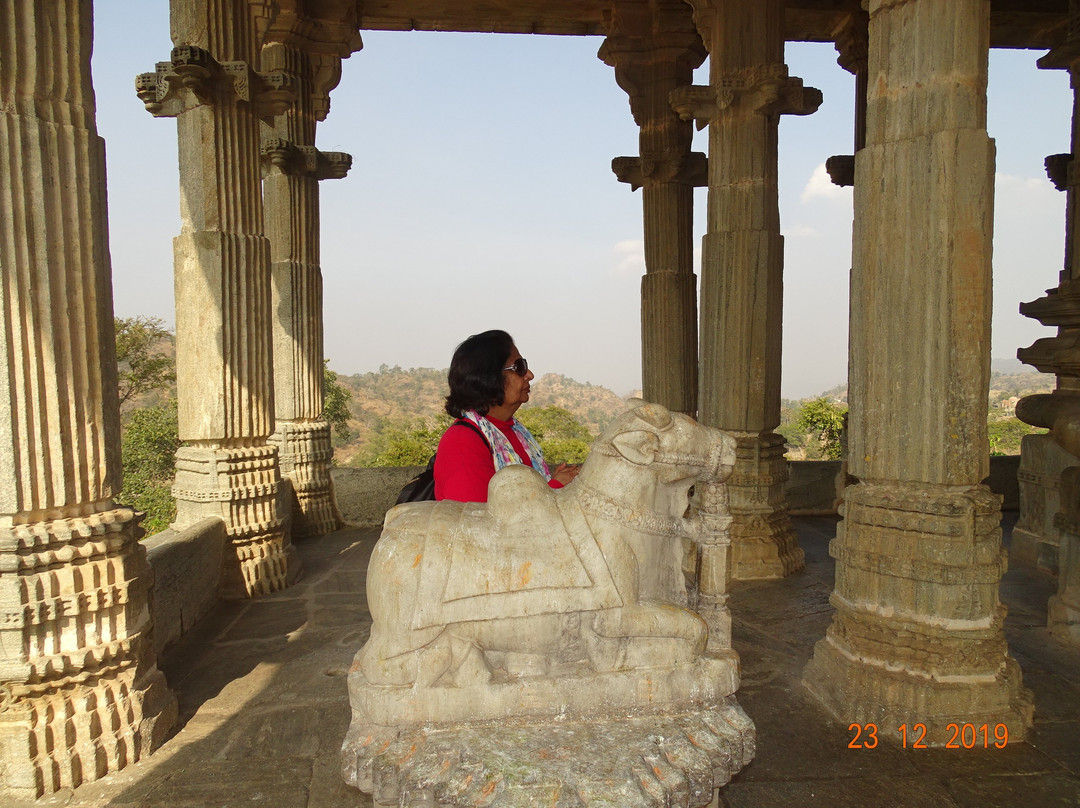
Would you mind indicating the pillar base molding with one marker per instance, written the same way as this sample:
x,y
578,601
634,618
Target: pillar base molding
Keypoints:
x,y
917,636
857,692
763,542
305,455
80,693
240,486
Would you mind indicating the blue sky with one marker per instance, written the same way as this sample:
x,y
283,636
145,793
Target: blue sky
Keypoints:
x,y
481,196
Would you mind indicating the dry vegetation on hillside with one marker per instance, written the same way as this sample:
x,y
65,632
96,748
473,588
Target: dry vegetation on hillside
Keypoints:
x,y
395,398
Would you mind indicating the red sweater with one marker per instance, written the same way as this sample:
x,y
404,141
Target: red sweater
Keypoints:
x,y
464,464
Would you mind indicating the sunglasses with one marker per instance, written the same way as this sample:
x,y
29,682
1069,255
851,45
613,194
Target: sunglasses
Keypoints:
x,y
520,367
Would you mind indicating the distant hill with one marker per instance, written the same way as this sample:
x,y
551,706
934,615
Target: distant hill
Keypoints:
x,y
1022,382
395,397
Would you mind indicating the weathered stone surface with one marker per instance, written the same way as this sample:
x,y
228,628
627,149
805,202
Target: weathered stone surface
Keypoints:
x,y
917,635
654,48
187,577
628,762
1035,538
293,168
80,693
742,266
223,283
544,605
1050,514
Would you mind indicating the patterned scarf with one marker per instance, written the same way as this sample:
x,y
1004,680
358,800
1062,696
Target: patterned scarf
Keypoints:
x,y
502,451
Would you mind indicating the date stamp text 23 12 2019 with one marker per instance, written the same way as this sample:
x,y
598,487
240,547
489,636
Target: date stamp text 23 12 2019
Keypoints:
x,y
914,736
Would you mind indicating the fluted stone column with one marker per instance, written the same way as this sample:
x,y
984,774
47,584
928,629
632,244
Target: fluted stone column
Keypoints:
x,y
80,693
293,168
742,268
917,636
654,48
227,468
1050,476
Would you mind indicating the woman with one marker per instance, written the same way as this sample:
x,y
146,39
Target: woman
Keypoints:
x,y
489,380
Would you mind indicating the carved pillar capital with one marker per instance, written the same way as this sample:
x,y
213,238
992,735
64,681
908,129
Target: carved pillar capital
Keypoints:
x,y
193,77
689,169
285,157
766,89
852,41
1059,169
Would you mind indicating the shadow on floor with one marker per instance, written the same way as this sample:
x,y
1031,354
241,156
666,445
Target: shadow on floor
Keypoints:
x,y
264,707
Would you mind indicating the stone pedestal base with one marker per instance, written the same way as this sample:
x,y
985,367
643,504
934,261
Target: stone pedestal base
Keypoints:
x,y
917,636
763,543
647,736
81,695
240,487
676,759
304,455
1035,538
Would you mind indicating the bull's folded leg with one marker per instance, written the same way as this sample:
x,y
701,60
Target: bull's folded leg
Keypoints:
x,y
419,657
467,666
645,636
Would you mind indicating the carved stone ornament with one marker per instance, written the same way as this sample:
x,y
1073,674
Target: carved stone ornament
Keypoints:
x,y
841,168
193,77
556,619
766,89
1058,167
691,169
288,158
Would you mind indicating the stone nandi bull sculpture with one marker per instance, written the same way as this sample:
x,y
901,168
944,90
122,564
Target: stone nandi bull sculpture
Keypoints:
x,y
459,592
545,604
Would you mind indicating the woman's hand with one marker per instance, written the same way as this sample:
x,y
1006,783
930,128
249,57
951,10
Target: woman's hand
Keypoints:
x,y
566,472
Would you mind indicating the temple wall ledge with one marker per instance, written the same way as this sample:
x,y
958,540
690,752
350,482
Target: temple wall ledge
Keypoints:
x,y
187,566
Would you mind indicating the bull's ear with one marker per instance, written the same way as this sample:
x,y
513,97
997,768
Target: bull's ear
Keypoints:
x,y
638,446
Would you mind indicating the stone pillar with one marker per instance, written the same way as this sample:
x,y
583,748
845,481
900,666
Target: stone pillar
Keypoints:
x,y
917,636
80,693
292,170
1038,537
851,38
227,468
654,48
742,268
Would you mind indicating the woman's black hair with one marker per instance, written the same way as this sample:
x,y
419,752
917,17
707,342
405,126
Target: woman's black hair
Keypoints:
x,y
476,373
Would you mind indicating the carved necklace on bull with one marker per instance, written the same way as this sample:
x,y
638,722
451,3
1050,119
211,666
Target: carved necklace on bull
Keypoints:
x,y
641,521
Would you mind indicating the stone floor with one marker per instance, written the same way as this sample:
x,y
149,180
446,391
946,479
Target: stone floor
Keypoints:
x,y
263,704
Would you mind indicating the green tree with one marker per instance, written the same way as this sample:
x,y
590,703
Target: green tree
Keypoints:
x,y
336,405
144,357
562,438
151,438
403,444
1005,435
825,420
